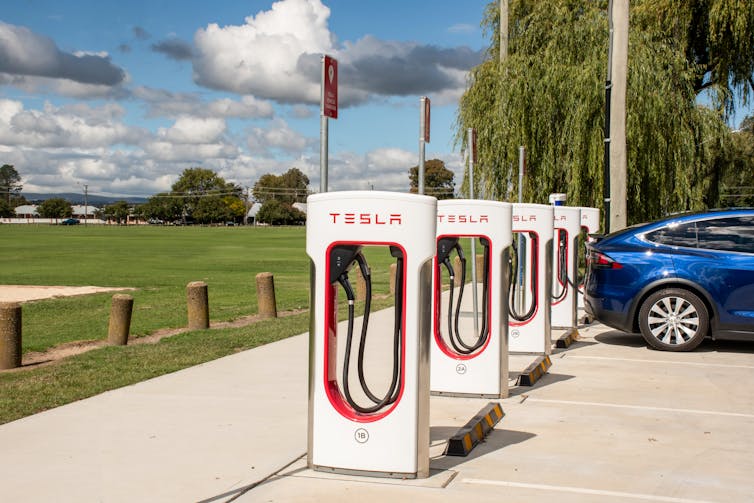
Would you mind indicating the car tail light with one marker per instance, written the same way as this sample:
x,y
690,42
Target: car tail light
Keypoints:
x,y
601,261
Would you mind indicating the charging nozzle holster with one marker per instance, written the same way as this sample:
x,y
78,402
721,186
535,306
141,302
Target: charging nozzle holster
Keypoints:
x,y
342,258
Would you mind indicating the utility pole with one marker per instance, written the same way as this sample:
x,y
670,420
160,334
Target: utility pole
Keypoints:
x,y
503,30
86,203
617,115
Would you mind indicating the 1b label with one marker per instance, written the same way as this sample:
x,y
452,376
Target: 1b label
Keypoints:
x,y
361,436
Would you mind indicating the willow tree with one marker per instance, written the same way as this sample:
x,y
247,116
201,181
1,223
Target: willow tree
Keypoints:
x,y
548,95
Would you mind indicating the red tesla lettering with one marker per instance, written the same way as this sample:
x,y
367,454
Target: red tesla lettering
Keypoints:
x,y
377,220
334,217
395,218
350,218
365,219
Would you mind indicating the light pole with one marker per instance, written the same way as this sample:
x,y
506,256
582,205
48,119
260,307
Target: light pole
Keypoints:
x,y
86,201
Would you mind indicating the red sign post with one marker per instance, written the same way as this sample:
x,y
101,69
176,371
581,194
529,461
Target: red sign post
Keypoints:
x,y
330,87
426,119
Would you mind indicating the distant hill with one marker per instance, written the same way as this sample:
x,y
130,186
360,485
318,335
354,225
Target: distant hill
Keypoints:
x,y
78,198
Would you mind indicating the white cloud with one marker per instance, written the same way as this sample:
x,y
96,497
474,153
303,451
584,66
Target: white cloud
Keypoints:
x,y
261,56
75,127
193,130
276,55
23,52
163,103
278,135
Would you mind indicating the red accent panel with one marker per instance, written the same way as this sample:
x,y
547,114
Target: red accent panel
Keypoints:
x,y
437,294
330,381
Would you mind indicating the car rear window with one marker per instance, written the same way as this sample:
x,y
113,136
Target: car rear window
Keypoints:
x,y
734,234
675,235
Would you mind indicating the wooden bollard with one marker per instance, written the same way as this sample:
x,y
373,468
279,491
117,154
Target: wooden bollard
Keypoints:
x,y
120,319
198,305
10,335
266,295
393,270
479,268
457,270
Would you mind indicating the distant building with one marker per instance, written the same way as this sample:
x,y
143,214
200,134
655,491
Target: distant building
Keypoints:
x,y
27,211
251,216
80,211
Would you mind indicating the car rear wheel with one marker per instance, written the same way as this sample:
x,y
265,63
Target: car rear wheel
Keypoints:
x,y
673,319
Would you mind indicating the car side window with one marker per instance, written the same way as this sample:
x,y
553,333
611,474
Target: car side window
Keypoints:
x,y
675,235
734,234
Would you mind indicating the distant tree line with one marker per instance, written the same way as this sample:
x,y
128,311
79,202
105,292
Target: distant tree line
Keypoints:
x,y
202,196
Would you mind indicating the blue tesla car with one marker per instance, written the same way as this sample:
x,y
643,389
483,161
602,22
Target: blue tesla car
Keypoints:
x,y
676,280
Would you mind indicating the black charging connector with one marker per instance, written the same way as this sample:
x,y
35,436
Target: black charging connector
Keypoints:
x,y
342,258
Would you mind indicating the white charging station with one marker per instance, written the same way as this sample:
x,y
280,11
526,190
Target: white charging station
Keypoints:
x,y
566,228
531,279
590,224
468,358
348,433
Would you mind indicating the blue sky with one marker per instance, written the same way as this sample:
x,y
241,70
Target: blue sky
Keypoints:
x,y
122,96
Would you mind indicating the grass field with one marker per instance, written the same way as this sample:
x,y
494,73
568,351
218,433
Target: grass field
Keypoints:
x,y
159,262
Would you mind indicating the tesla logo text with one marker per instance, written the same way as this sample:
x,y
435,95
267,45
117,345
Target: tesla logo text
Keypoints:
x,y
367,218
524,218
464,219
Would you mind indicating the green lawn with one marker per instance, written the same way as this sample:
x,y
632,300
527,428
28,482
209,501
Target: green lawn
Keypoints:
x,y
158,262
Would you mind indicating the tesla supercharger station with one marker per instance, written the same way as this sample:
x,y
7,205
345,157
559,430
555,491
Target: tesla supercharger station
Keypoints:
x,y
590,224
470,357
531,278
566,229
369,382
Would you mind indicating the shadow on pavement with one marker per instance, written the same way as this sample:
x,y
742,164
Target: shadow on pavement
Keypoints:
x,y
497,439
546,380
618,338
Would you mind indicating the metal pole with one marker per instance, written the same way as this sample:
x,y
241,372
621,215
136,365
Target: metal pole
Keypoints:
x,y
503,30
473,241
608,90
619,78
521,244
422,136
86,203
323,139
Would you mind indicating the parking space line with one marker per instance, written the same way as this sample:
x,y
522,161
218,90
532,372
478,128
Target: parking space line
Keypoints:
x,y
568,356
531,399
581,490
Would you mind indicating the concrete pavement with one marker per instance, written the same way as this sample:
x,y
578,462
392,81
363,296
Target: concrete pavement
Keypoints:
x,y
612,421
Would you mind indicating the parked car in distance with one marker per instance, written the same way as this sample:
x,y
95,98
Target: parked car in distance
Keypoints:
x,y
69,221
676,280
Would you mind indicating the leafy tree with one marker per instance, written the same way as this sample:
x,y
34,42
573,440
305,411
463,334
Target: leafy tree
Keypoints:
x,y
5,210
275,212
290,187
117,211
56,207
199,184
548,95
439,181
163,207
738,178
10,182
